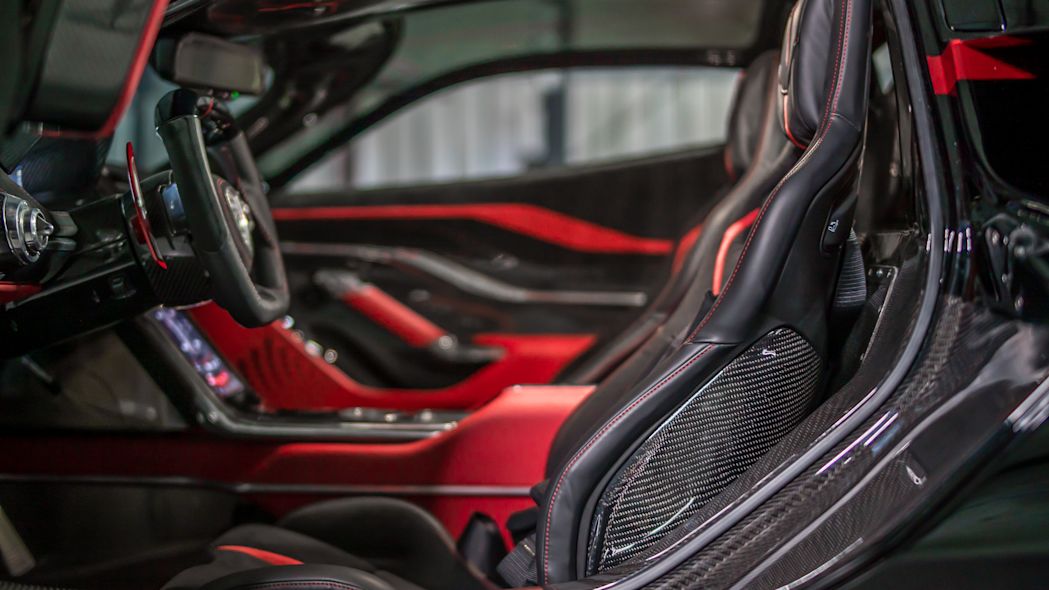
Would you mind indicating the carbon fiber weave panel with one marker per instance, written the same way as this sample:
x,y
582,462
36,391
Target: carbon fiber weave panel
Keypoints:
x,y
724,427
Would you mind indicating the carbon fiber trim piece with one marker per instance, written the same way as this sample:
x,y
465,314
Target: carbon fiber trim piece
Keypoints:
x,y
706,444
791,540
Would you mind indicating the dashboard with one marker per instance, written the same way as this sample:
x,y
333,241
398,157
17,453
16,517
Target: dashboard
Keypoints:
x,y
198,231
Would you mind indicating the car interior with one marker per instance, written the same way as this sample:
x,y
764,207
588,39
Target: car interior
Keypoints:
x,y
265,375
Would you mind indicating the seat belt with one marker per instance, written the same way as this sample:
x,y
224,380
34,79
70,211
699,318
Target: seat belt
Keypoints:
x,y
851,291
17,558
519,568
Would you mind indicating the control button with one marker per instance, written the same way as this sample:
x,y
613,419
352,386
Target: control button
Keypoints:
x,y
836,230
834,234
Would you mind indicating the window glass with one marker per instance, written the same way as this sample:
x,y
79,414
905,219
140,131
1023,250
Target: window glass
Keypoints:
x,y
138,123
509,124
441,40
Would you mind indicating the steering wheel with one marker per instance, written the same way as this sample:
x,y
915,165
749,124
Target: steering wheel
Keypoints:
x,y
229,219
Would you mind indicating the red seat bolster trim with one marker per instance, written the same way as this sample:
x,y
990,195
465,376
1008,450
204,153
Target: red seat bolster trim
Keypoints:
x,y
727,239
261,554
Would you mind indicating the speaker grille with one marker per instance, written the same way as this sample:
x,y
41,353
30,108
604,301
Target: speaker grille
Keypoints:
x,y
724,427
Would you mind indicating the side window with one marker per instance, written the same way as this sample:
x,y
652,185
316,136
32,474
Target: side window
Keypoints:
x,y
506,125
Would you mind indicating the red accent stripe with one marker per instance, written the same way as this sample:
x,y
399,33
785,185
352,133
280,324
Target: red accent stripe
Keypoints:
x,y
16,291
127,93
786,127
684,247
141,222
396,317
530,220
730,236
966,59
727,161
261,554
272,359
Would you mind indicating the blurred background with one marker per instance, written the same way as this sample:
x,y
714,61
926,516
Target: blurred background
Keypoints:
x,y
501,126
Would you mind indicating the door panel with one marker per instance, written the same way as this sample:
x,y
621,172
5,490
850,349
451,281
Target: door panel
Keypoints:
x,y
440,296
287,376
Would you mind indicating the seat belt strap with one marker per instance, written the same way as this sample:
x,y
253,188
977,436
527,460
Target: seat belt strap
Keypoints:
x,y
519,567
851,291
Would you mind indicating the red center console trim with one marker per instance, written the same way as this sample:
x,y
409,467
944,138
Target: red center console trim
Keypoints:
x,y
504,444
275,362
536,222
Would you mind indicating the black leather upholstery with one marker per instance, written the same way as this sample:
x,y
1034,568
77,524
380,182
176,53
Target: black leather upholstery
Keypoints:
x,y
300,577
382,539
688,295
783,276
746,122
784,280
755,142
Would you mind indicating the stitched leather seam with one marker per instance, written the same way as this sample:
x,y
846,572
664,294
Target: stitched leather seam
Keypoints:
x,y
846,19
597,436
277,585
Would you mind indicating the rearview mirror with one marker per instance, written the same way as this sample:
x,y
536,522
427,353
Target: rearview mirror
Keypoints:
x,y
204,62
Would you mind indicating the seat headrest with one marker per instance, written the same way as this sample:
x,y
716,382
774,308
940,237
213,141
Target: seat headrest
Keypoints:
x,y
809,70
756,93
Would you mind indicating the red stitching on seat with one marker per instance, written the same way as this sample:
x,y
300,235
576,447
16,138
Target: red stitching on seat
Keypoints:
x,y
843,32
593,440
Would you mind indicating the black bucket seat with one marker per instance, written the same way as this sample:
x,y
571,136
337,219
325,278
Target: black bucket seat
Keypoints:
x,y
644,453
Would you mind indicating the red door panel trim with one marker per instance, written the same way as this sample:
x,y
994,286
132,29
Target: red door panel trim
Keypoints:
x,y
396,317
261,555
967,59
536,222
274,361
731,233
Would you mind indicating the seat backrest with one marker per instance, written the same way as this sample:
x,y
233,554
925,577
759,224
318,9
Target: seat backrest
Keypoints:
x,y
751,363
755,142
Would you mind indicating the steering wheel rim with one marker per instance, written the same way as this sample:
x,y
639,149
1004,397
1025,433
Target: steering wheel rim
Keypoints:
x,y
254,291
